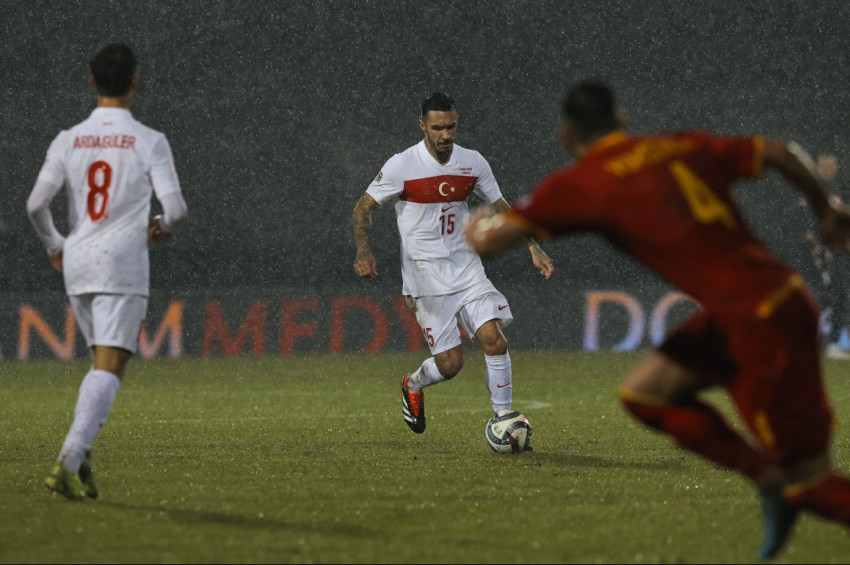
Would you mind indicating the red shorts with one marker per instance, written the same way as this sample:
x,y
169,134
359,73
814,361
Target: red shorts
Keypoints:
x,y
771,369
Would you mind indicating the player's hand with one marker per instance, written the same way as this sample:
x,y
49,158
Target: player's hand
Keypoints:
x,y
835,227
366,265
492,235
541,260
155,231
479,219
478,214
56,261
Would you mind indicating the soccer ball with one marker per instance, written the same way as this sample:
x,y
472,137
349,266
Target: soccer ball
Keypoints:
x,y
509,432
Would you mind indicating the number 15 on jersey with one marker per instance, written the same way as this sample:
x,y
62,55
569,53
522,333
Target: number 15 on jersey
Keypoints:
x,y
447,224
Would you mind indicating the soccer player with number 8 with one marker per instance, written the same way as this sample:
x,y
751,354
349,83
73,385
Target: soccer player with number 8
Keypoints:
x,y
109,164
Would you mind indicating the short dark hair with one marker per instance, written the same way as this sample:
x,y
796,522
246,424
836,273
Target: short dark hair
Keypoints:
x,y
113,69
590,109
437,102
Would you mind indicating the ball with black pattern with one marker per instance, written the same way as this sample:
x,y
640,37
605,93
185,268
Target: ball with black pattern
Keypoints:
x,y
509,433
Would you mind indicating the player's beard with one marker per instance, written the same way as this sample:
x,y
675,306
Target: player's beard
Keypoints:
x,y
442,154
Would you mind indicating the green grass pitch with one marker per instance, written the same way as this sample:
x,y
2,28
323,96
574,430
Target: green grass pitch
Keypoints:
x,y
306,459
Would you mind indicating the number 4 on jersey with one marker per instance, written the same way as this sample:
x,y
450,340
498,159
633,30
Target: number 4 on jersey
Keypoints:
x,y
99,179
705,206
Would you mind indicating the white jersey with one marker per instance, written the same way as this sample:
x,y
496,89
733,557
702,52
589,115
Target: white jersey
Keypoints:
x,y
431,210
108,164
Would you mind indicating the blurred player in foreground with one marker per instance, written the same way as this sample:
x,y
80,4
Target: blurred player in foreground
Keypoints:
x,y
108,164
443,281
666,200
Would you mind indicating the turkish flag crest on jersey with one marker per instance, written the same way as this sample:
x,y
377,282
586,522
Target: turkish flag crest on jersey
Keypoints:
x,y
443,188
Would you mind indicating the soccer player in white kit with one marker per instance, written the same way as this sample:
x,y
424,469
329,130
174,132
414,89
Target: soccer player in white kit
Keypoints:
x,y
443,279
108,163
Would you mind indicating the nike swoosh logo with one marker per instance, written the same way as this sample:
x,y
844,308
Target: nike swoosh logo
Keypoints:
x,y
503,386
447,208
502,307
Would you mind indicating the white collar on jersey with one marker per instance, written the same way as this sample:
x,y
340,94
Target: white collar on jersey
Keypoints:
x,y
427,155
106,110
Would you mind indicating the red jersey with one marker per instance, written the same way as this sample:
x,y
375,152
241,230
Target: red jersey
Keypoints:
x,y
666,201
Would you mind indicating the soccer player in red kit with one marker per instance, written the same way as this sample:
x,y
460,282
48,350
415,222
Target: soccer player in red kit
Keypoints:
x,y
666,200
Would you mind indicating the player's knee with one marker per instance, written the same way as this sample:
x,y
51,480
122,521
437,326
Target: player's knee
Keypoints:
x,y
498,346
450,365
452,370
493,343
111,359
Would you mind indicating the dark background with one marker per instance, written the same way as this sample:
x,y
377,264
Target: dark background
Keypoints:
x,y
279,115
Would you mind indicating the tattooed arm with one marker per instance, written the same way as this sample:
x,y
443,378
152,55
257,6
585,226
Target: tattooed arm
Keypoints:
x,y
364,264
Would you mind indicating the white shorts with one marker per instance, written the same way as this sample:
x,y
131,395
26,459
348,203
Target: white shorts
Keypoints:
x,y
439,316
113,320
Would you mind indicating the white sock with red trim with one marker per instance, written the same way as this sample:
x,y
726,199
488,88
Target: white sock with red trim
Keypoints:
x,y
499,381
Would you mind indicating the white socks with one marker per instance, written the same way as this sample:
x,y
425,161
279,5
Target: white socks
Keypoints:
x,y
426,375
499,381
97,393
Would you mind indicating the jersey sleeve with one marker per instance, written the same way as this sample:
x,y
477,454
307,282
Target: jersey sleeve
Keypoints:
x,y
388,183
38,210
486,186
53,169
174,212
552,208
743,156
163,173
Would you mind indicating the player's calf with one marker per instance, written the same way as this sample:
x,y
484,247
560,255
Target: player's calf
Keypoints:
x,y
699,428
828,497
449,363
